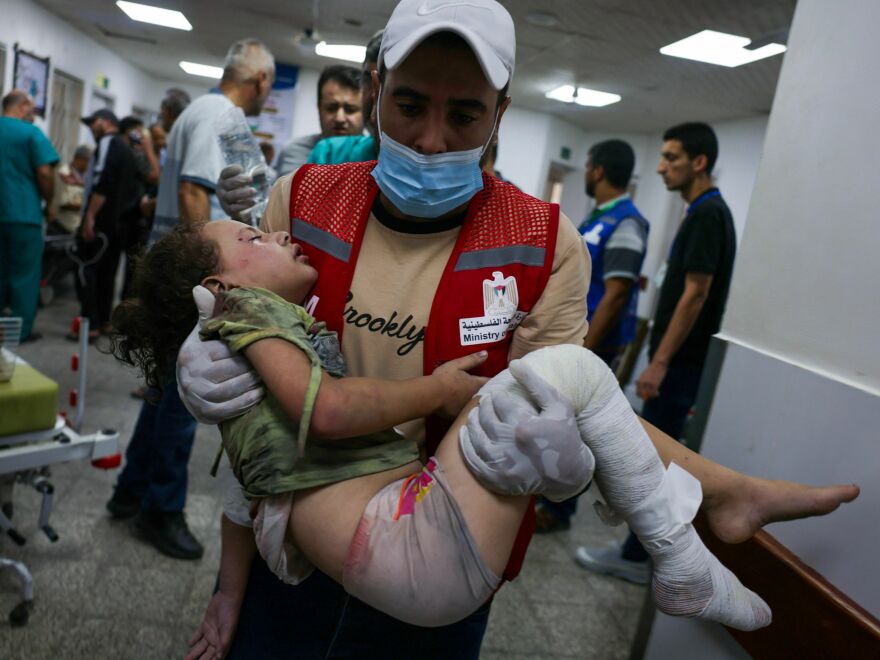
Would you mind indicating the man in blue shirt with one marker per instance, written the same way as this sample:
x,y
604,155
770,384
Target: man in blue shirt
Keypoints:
x,y
616,235
27,161
355,148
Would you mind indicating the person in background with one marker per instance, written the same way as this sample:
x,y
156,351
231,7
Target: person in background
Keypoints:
x,y
339,112
692,299
153,483
173,104
268,150
616,234
27,161
159,138
355,148
111,195
134,228
64,212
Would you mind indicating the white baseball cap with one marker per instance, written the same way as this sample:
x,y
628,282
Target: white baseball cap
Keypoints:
x,y
484,24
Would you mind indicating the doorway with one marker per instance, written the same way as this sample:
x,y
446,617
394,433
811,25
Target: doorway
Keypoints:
x,y
65,112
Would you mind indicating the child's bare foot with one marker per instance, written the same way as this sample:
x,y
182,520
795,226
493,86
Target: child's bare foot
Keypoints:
x,y
748,503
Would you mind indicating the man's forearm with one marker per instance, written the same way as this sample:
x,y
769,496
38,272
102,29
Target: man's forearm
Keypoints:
x,y
680,325
195,206
237,550
46,184
153,175
96,203
604,318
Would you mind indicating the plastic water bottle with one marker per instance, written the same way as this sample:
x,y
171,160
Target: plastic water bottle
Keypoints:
x,y
240,147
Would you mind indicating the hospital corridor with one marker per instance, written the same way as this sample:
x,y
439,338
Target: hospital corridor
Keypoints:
x,y
455,330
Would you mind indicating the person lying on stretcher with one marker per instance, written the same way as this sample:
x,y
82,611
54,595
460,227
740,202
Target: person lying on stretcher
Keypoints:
x,y
334,486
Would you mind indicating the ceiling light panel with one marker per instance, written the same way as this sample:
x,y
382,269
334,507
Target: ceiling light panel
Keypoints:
x,y
720,48
204,70
583,96
155,15
341,51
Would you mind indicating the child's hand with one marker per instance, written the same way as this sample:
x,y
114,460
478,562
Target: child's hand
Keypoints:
x,y
460,386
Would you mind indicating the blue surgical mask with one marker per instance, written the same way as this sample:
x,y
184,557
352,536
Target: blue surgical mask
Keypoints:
x,y
427,186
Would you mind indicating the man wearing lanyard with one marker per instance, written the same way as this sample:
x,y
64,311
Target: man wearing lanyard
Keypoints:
x,y
692,299
616,235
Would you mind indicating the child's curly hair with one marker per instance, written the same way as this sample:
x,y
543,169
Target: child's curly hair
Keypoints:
x,y
149,328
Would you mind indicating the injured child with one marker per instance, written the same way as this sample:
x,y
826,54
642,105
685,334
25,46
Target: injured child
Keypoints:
x,y
334,486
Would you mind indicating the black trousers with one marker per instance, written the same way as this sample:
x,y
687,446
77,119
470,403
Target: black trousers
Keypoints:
x,y
96,279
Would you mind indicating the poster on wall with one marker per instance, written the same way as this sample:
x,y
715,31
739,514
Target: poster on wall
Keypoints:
x,y
275,122
31,73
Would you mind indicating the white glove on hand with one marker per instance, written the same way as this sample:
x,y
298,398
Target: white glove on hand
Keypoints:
x,y
214,384
515,449
234,190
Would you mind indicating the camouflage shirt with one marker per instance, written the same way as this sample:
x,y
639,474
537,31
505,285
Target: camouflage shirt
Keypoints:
x,y
269,452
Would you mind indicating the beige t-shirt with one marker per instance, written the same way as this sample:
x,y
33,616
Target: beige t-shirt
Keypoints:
x,y
393,288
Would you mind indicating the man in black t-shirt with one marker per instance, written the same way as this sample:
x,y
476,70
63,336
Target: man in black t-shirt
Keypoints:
x,y
111,194
697,279
689,311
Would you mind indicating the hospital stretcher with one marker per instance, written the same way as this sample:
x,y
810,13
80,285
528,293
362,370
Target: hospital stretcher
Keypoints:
x,y
27,454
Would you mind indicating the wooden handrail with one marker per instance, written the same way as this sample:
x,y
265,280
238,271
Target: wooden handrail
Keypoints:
x,y
811,617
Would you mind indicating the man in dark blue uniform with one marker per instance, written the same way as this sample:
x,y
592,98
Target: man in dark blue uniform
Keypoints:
x,y
689,311
616,235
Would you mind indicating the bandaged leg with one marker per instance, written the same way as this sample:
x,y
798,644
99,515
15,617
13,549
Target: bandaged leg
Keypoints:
x,y
658,504
413,556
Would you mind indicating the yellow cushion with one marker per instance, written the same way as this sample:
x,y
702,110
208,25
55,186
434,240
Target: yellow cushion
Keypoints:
x,y
28,402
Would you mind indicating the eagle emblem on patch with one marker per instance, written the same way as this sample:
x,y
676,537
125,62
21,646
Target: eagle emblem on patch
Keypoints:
x,y
500,295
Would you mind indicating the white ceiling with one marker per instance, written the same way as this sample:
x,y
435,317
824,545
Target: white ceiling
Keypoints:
x,y
603,44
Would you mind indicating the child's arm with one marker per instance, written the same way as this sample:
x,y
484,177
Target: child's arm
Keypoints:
x,y
237,550
348,407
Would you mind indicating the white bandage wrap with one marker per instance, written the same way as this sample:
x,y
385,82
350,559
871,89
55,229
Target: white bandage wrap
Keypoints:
x,y
658,504
666,512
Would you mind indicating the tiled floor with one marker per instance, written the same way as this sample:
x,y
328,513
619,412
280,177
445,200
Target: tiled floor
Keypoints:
x,y
103,593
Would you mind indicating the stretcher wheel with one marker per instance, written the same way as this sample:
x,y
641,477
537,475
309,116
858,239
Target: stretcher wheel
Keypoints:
x,y
19,614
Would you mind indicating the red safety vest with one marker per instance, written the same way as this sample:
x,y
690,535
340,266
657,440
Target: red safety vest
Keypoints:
x,y
496,273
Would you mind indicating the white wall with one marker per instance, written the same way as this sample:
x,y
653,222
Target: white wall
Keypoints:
x,y
798,396
522,143
808,269
44,34
305,104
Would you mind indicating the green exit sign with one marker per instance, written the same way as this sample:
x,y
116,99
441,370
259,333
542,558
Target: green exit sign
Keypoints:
x,y
565,153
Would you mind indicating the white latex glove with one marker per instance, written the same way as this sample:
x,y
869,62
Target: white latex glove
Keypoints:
x,y
517,449
214,384
234,191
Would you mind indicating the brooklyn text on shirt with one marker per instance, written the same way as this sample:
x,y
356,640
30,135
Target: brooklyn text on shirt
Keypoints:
x,y
395,326
500,314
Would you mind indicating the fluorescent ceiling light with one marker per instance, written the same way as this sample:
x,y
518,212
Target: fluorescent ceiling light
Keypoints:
x,y
583,96
202,70
341,52
720,48
155,15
